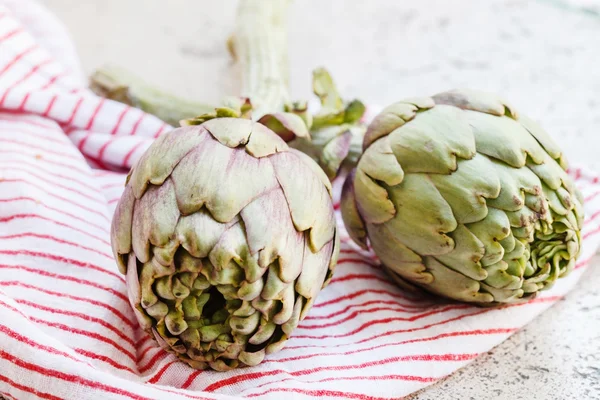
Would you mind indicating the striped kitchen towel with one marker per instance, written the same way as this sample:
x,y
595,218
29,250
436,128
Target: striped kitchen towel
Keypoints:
x,y
66,327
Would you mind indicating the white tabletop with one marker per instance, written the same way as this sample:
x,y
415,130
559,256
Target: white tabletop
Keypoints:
x,y
543,56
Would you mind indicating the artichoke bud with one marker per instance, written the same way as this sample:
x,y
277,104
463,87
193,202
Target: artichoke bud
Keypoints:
x,y
336,131
463,190
225,235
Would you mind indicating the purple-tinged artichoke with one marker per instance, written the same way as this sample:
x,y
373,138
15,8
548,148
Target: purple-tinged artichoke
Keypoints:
x,y
226,236
460,195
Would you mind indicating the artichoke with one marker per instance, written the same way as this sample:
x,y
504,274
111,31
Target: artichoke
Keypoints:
x,y
464,197
226,236
336,131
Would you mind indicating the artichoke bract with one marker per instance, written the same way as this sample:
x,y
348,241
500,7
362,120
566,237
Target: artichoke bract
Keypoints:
x,y
226,236
336,131
460,195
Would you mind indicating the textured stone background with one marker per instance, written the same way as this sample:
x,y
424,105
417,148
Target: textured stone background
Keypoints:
x,y
544,56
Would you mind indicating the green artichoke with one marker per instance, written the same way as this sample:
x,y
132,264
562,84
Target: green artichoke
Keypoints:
x,y
226,236
460,195
336,131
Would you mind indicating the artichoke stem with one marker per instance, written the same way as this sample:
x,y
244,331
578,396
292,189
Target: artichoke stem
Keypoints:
x,y
121,85
259,45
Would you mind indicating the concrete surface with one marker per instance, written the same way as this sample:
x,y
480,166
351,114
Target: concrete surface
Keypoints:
x,y
542,55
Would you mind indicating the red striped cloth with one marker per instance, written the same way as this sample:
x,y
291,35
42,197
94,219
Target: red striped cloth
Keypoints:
x,y
66,328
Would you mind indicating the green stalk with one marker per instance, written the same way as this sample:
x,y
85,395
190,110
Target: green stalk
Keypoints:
x,y
260,47
118,84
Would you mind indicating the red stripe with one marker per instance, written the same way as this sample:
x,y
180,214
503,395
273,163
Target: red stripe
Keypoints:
x,y
394,319
65,260
396,331
37,202
103,149
113,310
50,105
130,153
160,373
95,114
53,79
143,340
397,307
137,124
83,141
91,188
88,334
418,357
42,395
24,339
52,350
368,291
592,196
82,316
362,277
74,112
114,185
53,137
84,169
73,203
21,119
6,305
120,119
17,58
59,185
21,107
23,79
183,393
583,263
399,319
44,149
72,379
94,162
68,279
105,359
592,217
161,129
159,355
191,379
409,378
477,332
320,393
10,34
144,352
31,215
590,233
57,240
